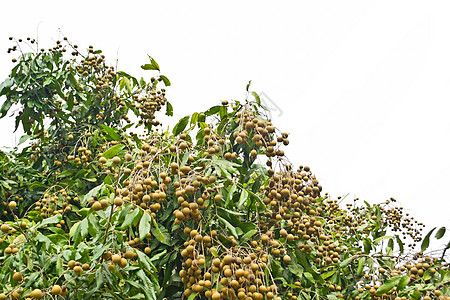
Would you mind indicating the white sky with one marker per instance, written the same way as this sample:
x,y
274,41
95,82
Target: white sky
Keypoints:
x,y
363,86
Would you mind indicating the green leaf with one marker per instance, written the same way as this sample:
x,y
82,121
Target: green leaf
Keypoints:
x,y
23,138
143,258
111,132
230,227
32,279
6,85
381,238
361,262
51,220
345,262
213,110
426,240
152,65
192,296
247,235
42,238
84,227
91,193
130,218
400,243
258,100
243,198
148,67
169,109
214,252
144,225
295,269
165,80
388,285
160,232
440,233
5,107
180,125
403,282
248,85
309,277
229,196
99,250
111,152
327,274
367,246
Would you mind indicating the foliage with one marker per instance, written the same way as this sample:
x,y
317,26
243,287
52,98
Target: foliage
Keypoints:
x,y
210,209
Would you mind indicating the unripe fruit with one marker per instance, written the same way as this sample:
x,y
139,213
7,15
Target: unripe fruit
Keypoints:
x,y
71,264
86,267
102,160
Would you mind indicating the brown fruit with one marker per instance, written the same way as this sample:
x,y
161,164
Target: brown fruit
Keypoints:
x,y
36,294
12,205
128,254
5,228
116,160
97,206
17,276
116,258
123,263
77,269
118,201
111,267
56,290
71,264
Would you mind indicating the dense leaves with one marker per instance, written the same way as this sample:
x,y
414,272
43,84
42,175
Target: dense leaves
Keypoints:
x,y
210,209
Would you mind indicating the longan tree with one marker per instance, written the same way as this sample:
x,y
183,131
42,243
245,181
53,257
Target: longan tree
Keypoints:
x,y
211,209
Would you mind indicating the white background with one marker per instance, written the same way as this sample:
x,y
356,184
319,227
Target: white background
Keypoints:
x,y
362,87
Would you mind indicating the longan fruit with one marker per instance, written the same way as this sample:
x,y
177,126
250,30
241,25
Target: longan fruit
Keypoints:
x,y
116,160
56,290
116,258
17,276
36,294
12,205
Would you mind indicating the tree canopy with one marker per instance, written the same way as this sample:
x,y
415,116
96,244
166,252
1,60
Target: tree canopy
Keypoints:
x,y
209,209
